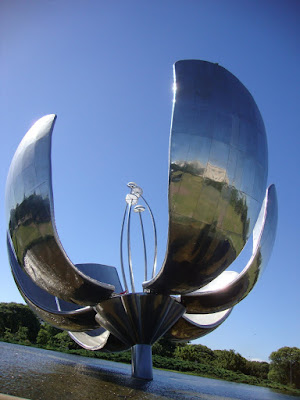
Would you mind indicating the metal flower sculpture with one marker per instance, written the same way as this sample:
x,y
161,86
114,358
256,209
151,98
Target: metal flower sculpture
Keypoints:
x,y
217,198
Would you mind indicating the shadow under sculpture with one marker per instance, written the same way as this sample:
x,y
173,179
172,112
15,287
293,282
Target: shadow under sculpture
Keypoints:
x,y
217,199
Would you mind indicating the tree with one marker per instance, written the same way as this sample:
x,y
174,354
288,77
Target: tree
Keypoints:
x,y
14,315
7,335
22,335
47,334
198,353
260,369
44,337
229,359
63,341
285,366
164,347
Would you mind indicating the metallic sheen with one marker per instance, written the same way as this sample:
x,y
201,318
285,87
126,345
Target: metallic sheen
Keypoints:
x,y
44,304
30,218
217,176
142,357
217,183
191,326
138,318
206,300
98,339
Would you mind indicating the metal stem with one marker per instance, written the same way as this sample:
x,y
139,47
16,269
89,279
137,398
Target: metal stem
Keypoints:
x,y
155,237
141,361
129,250
121,250
144,244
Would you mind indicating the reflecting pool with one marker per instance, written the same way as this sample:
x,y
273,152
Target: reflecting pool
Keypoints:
x,y
38,374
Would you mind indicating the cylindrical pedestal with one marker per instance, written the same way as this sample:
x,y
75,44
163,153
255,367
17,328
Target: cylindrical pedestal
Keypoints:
x,y
141,361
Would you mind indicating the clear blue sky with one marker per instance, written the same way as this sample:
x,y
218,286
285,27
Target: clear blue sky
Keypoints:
x,y
105,68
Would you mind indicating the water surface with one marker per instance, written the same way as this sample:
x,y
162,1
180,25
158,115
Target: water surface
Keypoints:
x,y
38,374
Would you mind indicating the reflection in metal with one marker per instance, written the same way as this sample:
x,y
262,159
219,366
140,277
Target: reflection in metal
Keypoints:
x,y
131,200
217,184
155,238
142,356
207,299
140,209
31,226
121,251
217,176
193,326
98,339
138,317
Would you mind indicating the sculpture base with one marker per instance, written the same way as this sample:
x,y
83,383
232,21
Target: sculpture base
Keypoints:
x,y
141,361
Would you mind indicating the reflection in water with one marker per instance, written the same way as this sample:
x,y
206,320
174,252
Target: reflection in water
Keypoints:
x,y
47,375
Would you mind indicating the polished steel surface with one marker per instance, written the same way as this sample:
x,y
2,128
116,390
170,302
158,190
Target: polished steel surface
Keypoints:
x,y
98,340
132,199
193,326
85,330
217,176
142,361
230,294
31,226
129,248
138,318
217,182
140,209
68,317
155,237
121,251
79,320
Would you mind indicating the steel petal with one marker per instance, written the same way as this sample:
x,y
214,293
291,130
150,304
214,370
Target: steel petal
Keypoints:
x,y
232,293
217,176
31,224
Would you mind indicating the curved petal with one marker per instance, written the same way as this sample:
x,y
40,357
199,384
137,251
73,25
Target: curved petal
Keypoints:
x,y
31,226
46,306
98,339
217,176
190,327
80,320
138,318
212,300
